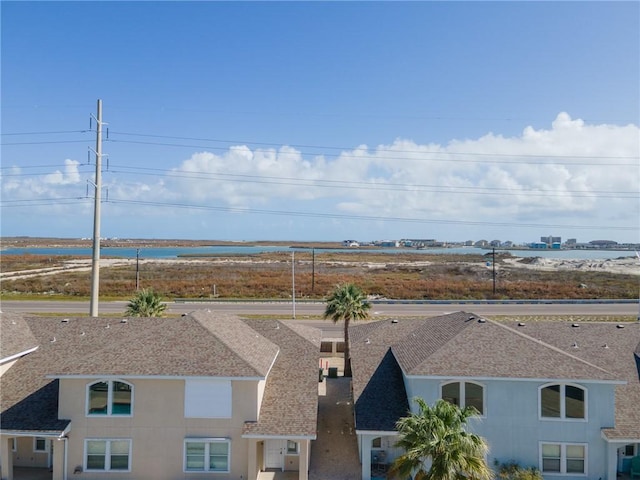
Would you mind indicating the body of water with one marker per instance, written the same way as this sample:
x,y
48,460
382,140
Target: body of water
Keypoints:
x,y
174,252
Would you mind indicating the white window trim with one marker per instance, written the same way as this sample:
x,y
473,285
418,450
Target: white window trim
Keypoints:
x,y
107,460
563,458
296,452
462,383
109,399
35,445
563,413
206,441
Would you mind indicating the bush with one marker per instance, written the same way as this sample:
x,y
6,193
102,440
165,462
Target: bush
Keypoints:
x,y
511,470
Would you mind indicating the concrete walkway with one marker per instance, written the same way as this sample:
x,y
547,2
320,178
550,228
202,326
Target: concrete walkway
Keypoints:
x,y
334,455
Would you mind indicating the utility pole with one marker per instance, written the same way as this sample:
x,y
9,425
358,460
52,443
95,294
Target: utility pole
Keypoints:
x,y
137,269
493,263
293,282
313,270
95,263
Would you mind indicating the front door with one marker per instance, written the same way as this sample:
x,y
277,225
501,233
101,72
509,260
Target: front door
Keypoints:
x,y
274,451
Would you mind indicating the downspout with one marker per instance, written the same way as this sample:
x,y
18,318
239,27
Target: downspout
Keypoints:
x,y
66,450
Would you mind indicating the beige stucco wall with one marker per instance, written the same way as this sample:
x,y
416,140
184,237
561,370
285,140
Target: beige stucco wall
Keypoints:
x,y
157,428
24,456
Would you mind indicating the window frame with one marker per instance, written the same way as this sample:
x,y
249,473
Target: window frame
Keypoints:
x,y
564,459
35,445
14,444
563,402
463,396
295,451
110,390
207,441
107,455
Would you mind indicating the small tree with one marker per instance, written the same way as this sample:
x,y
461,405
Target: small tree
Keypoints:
x,y
513,471
437,445
146,303
347,302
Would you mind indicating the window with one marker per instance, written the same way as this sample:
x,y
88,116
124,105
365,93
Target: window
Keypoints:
x,y
206,455
562,401
292,447
208,398
376,442
563,458
14,445
628,450
107,455
39,444
464,394
109,398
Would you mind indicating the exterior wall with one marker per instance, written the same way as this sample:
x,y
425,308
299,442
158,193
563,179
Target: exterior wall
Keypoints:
x,y
157,428
24,456
513,429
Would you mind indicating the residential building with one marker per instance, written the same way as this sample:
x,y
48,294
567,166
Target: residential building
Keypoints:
x,y
558,396
201,396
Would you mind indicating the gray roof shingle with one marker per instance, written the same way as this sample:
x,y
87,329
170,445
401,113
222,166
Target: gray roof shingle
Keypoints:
x,y
16,336
459,345
201,344
290,402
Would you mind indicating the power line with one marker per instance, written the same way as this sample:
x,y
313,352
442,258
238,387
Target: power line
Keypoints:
x,y
46,133
326,147
42,143
452,160
360,217
302,182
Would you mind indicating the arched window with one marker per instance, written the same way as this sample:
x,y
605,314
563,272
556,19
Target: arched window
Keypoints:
x,y
563,401
110,397
464,394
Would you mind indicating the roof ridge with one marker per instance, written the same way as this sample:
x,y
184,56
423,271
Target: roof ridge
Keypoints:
x,y
297,333
250,361
549,346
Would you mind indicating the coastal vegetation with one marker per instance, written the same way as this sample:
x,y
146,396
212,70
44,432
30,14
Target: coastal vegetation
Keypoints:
x,y
269,275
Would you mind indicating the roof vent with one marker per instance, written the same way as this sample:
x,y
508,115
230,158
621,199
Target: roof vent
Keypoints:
x,y
277,326
367,341
482,320
521,324
53,340
605,346
108,326
575,325
472,317
65,320
575,345
82,334
395,320
124,320
619,326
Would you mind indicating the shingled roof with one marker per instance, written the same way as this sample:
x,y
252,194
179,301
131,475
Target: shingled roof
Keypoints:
x,y
615,347
201,344
464,345
17,338
290,401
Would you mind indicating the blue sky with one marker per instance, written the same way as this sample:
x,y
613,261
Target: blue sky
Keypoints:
x,y
324,121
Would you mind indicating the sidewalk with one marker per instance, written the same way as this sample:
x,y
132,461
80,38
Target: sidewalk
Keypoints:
x,y
334,455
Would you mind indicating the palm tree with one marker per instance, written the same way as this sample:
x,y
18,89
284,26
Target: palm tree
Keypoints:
x,y
347,302
438,447
146,303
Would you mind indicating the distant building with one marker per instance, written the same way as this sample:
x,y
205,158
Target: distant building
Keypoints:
x,y
550,240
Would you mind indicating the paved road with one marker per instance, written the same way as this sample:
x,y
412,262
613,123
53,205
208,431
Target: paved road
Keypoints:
x,y
306,309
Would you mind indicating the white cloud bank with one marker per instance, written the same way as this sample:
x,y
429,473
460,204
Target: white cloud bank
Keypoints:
x,y
572,174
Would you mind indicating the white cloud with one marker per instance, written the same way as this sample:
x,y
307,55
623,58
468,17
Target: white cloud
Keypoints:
x,y
70,174
572,173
